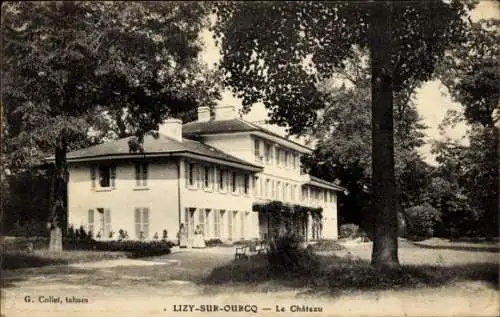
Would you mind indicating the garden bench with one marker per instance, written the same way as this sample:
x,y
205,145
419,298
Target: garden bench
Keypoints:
x,y
241,253
261,248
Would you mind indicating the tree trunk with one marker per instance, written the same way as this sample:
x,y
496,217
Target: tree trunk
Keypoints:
x,y
58,215
385,244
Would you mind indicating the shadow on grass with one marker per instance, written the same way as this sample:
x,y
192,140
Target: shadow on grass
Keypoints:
x,y
12,261
479,248
337,275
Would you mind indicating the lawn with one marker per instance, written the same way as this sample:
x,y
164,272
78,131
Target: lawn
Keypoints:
x,y
448,280
21,259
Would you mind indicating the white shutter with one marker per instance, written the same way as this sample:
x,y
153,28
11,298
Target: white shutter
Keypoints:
x,y
107,223
137,219
90,227
145,222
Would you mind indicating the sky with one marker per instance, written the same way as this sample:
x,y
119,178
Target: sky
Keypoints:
x,y
432,99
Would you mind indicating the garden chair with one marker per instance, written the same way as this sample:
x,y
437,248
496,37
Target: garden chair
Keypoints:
x,y
241,253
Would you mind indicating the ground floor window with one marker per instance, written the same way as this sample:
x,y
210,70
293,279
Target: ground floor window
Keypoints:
x,y
141,216
99,223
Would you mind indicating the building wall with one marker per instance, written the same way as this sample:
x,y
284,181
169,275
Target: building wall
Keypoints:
x,y
160,196
279,176
198,199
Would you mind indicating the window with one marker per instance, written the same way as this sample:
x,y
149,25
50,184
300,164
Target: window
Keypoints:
x,y
233,182
256,186
141,223
294,161
325,197
257,150
282,157
201,220
222,174
278,190
106,175
141,174
208,213
217,223
267,184
278,151
90,226
287,154
268,153
191,175
246,184
206,176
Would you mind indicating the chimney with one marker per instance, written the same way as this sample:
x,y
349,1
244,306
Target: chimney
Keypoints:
x,y
203,114
225,112
172,128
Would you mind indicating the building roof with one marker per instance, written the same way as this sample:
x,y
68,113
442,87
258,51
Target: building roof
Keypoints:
x,y
153,147
196,128
322,183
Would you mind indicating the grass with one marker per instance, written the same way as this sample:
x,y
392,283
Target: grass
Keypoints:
x,y
345,275
13,259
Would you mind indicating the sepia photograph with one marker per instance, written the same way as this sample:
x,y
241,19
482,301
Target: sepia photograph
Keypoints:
x,y
250,158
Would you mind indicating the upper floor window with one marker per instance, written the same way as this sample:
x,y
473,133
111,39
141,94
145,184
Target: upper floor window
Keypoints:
x,y
191,175
105,175
278,158
268,152
246,184
221,175
233,182
257,150
283,158
141,174
287,156
206,176
325,196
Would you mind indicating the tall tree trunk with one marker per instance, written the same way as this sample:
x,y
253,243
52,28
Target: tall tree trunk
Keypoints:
x,y
58,215
385,244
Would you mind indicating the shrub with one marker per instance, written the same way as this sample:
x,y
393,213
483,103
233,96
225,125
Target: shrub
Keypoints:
x,y
287,256
134,248
213,242
422,219
326,245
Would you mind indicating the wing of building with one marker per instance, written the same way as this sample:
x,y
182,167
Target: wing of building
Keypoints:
x,y
216,174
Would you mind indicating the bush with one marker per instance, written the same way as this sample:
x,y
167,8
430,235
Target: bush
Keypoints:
x,y
134,248
326,245
213,242
287,256
422,219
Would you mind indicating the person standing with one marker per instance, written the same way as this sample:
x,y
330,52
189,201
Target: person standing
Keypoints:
x,y
182,236
199,239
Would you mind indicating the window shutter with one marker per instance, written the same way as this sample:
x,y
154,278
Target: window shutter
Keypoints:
x,y
199,174
145,174
107,222
137,174
92,176
113,176
137,217
145,222
90,227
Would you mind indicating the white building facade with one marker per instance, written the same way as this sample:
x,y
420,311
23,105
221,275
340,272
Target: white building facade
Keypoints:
x,y
211,173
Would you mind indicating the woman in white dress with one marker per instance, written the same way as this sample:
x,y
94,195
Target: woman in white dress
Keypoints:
x,y
199,239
